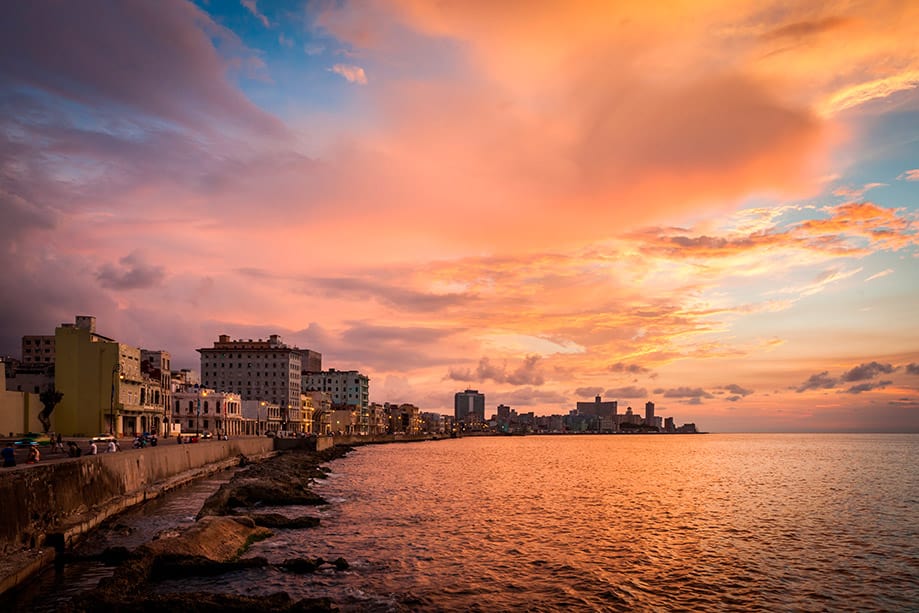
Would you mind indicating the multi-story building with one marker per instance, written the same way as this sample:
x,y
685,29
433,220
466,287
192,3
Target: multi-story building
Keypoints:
x,y
310,360
403,418
256,370
604,411
102,384
377,419
37,349
649,413
261,416
206,410
155,367
469,408
349,389
322,411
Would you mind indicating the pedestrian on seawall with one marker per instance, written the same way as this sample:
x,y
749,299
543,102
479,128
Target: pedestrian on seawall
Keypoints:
x,y
93,450
9,455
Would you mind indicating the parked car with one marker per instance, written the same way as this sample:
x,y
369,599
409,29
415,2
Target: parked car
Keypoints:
x,y
103,438
33,438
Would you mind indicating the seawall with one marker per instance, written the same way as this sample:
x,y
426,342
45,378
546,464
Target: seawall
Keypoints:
x,y
46,507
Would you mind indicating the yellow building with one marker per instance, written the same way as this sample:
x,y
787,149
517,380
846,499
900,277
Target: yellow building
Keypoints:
x,y
18,410
102,384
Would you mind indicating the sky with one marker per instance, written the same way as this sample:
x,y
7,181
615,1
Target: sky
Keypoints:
x,y
712,205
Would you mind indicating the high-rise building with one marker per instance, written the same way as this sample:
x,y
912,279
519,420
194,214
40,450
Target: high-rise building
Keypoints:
x,y
256,370
469,407
349,389
649,413
599,408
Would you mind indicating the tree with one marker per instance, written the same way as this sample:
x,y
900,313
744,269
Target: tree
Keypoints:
x,y
50,398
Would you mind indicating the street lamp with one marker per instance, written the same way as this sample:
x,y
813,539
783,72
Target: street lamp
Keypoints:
x,y
198,418
115,370
258,418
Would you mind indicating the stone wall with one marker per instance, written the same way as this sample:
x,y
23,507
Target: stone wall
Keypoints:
x,y
52,504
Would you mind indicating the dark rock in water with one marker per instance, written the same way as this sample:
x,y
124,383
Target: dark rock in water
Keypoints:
x,y
302,565
244,460
113,556
176,567
341,564
282,480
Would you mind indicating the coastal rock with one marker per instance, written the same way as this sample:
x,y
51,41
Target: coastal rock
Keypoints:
x,y
276,520
219,539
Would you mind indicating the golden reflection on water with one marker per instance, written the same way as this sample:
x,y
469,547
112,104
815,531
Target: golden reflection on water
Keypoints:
x,y
707,522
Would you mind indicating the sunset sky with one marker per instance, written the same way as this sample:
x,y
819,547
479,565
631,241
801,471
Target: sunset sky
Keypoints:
x,y
713,205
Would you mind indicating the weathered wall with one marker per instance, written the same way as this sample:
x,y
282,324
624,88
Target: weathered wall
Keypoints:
x,y
19,412
51,504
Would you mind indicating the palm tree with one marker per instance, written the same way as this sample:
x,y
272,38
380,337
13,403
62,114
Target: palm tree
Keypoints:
x,y
50,398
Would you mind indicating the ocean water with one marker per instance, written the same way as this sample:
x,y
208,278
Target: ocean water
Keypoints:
x,y
796,522
758,522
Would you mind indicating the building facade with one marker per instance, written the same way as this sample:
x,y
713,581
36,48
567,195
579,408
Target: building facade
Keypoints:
x,y
37,349
469,408
103,386
348,389
201,410
259,370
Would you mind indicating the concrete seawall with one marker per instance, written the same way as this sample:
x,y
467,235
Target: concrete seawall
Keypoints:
x,y
48,506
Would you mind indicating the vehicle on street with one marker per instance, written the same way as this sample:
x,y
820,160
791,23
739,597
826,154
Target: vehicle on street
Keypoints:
x,y
33,438
103,438
207,435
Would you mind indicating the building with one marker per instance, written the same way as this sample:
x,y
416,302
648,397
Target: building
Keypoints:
x,y
259,370
207,410
469,408
310,360
155,368
260,417
649,414
322,411
102,384
377,419
38,350
403,418
349,390
18,410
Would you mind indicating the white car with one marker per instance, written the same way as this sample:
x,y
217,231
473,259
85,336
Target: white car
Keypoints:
x,y
103,438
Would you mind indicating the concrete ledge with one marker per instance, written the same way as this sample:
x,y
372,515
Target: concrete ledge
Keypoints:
x,y
48,506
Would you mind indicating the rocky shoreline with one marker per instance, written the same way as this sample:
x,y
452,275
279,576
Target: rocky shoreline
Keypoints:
x,y
226,526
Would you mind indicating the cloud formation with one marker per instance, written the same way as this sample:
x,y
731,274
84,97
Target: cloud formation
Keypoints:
x,y
133,272
629,392
866,371
821,380
351,73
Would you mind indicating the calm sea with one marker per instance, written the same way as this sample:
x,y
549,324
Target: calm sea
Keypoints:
x,y
796,522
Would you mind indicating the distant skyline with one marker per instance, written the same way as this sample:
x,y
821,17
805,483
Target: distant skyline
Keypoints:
x,y
712,207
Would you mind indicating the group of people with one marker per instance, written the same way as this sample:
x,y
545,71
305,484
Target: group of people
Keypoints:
x,y
9,455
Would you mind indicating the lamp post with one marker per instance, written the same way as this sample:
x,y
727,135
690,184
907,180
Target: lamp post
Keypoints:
x,y
198,418
258,418
115,370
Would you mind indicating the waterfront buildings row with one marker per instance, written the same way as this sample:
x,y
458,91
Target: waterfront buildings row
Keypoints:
x,y
248,387
597,416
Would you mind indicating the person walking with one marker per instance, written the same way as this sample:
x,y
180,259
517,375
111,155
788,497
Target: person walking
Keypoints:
x,y
93,450
59,443
112,447
9,455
